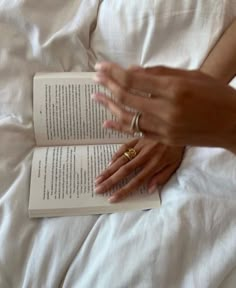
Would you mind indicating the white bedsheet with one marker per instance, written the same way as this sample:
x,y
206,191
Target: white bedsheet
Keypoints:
x,y
191,240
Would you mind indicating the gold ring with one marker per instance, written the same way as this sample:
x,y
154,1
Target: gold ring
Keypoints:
x,y
130,154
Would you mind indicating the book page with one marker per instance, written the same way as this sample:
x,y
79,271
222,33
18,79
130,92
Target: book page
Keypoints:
x,y
65,114
62,182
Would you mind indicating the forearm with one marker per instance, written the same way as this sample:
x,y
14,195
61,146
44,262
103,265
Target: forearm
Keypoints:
x,y
221,62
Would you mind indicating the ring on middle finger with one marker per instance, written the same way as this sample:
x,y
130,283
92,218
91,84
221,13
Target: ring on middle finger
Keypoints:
x,y
134,127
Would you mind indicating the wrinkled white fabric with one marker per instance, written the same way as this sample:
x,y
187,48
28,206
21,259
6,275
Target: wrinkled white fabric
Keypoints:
x,y
174,33
190,240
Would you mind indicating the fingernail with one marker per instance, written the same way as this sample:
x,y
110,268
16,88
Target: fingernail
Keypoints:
x,y
109,164
98,180
152,189
98,66
98,177
93,96
97,78
98,190
107,124
112,199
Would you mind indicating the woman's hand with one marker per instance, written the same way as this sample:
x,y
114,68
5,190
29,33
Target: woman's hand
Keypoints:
x,y
186,107
156,163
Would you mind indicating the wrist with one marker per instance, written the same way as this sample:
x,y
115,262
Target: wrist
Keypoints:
x,y
231,139
231,145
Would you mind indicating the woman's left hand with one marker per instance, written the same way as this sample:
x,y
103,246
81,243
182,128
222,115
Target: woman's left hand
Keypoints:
x,y
157,162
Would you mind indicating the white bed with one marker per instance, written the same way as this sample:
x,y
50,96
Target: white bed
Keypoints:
x,y
191,240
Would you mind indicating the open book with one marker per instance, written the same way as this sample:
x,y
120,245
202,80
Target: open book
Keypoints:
x,y
72,149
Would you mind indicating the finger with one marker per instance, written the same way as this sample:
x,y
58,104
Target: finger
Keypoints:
x,y
157,107
111,170
118,172
160,108
117,161
123,149
146,82
135,182
112,69
151,126
137,81
147,122
114,125
112,177
161,177
125,117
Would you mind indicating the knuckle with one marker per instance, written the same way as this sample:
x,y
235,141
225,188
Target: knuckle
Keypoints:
x,y
178,90
120,151
168,131
125,147
104,174
174,140
120,93
107,68
169,83
142,176
123,193
126,169
128,79
106,186
173,116
138,181
119,127
171,139
158,70
108,173
167,141
115,155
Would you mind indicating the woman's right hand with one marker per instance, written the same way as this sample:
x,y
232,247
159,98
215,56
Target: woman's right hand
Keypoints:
x,y
186,107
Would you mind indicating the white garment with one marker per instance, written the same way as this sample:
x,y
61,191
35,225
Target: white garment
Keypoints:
x,y
190,240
